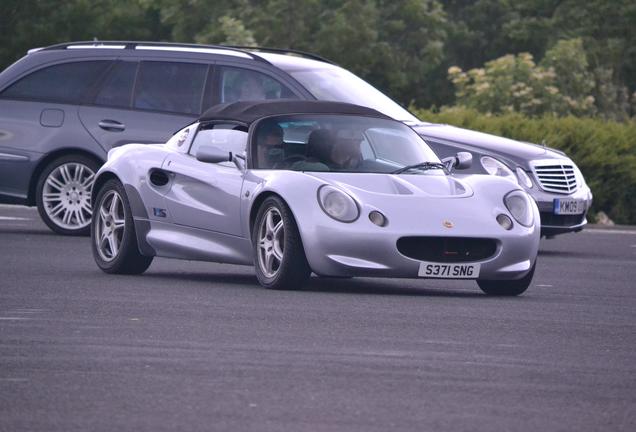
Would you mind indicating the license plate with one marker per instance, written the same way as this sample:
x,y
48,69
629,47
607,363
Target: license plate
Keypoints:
x,y
568,206
448,271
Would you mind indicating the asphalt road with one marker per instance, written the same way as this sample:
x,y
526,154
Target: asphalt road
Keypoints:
x,y
201,347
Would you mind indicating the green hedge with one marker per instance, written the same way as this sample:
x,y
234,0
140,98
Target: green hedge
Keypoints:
x,y
605,151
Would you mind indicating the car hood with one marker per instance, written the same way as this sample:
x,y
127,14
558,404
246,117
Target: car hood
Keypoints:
x,y
439,186
516,151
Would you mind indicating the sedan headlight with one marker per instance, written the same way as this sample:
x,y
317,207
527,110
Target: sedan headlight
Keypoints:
x,y
520,207
524,180
497,168
337,204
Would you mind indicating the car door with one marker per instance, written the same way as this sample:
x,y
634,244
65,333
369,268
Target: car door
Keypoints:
x,y
38,115
145,102
207,195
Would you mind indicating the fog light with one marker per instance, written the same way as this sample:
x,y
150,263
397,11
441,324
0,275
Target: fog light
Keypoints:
x,y
377,218
504,221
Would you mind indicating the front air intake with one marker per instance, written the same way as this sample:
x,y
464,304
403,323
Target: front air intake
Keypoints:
x,y
447,249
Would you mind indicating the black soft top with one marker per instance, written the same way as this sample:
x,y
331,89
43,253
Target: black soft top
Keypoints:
x,y
250,111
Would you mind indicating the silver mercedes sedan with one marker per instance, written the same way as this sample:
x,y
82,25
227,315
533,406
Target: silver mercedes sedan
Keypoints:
x,y
295,187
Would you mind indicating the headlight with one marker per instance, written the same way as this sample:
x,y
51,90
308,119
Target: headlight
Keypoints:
x,y
494,167
524,180
520,207
337,204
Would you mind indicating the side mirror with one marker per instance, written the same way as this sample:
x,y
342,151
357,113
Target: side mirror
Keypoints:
x,y
212,154
462,160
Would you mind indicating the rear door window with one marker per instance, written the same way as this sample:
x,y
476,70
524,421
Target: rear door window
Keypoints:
x,y
117,88
170,87
63,83
236,84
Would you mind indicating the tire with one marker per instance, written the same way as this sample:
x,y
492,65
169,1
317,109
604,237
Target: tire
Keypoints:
x,y
63,194
113,236
509,288
279,257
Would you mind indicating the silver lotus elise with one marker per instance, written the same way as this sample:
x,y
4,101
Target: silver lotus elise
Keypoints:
x,y
294,187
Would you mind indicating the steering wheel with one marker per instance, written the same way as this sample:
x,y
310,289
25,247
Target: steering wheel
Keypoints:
x,y
288,161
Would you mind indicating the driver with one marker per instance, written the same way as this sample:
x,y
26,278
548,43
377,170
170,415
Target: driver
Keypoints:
x,y
269,145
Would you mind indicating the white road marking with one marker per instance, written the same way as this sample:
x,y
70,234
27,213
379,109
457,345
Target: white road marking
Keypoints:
x,y
14,319
14,379
9,218
26,311
608,231
544,285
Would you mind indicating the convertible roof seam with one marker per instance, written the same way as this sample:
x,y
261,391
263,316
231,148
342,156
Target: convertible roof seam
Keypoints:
x,y
250,111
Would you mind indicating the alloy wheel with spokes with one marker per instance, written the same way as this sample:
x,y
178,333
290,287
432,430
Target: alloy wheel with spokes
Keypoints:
x,y
109,227
67,195
114,238
271,242
278,250
64,194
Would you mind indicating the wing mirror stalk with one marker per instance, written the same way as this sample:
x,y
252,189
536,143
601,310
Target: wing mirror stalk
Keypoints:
x,y
239,160
212,154
462,160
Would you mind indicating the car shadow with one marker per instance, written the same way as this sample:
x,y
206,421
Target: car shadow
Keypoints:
x,y
380,287
322,285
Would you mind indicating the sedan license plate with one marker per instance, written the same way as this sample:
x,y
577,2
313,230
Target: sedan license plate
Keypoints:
x,y
448,271
568,206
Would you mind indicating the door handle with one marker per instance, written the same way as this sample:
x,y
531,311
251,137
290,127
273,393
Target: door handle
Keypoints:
x,y
111,125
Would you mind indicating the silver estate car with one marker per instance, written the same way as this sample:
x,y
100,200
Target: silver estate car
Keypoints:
x,y
63,107
294,187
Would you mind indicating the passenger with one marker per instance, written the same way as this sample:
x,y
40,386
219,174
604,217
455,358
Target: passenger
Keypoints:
x,y
252,88
346,154
319,145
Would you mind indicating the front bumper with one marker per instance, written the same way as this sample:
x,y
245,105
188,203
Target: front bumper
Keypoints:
x,y
553,224
371,251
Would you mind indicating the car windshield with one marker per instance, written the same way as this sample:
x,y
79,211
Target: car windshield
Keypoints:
x,y
340,143
337,84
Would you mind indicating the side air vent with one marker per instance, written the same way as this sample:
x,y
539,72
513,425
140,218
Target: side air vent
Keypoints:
x,y
159,178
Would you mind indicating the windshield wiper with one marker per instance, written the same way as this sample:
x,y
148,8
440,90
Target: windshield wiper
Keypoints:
x,y
422,165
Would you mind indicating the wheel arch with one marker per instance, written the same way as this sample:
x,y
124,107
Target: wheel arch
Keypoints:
x,y
256,204
46,160
100,181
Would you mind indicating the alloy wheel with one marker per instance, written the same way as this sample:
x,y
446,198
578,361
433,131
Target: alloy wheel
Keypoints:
x,y
271,242
109,226
66,195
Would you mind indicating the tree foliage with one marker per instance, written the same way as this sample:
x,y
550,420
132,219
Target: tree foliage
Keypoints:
x,y
560,85
404,47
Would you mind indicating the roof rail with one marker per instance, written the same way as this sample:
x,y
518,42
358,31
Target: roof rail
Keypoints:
x,y
135,44
282,51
